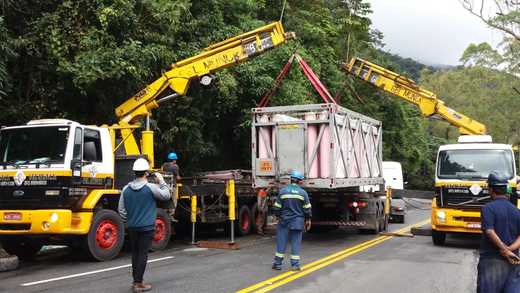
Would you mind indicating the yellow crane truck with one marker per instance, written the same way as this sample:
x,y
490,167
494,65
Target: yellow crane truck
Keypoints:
x,y
461,168
60,180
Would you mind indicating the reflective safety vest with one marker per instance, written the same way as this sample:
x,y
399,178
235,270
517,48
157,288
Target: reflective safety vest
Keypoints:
x,y
292,206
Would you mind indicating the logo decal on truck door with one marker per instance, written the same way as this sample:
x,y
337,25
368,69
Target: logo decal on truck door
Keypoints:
x,y
19,178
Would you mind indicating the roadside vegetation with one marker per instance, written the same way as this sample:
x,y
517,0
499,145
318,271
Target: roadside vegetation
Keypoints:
x,y
80,59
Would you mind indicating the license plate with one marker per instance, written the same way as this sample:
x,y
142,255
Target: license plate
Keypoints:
x,y
474,225
12,216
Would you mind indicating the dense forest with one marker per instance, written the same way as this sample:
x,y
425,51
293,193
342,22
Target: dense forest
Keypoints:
x,y
80,59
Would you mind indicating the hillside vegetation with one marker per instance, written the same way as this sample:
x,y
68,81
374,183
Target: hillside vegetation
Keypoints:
x,y
80,59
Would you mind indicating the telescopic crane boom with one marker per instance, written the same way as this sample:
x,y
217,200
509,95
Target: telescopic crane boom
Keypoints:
x,y
427,102
215,57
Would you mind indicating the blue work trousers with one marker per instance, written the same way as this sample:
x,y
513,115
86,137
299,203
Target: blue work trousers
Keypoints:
x,y
493,273
513,282
283,235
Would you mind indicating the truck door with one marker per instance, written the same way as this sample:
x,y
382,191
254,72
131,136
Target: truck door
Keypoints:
x,y
92,153
290,148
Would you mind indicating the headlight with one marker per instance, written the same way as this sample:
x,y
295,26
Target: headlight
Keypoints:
x,y
441,216
54,217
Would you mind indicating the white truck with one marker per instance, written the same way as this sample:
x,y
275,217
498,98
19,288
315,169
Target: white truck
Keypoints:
x,y
460,183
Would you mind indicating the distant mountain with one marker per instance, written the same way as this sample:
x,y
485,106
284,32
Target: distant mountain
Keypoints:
x,y
410,67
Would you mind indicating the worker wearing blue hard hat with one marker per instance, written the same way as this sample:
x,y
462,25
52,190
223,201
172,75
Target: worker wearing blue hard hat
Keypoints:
x,y
170,167
293,209
172,156
500,241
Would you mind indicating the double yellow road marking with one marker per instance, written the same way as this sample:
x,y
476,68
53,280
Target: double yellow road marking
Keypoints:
x,y
277,281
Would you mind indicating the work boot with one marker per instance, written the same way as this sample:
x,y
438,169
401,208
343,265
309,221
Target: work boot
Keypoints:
x,y
277,267
141,287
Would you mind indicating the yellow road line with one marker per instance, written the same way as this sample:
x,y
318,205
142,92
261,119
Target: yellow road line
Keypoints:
x,y
290,276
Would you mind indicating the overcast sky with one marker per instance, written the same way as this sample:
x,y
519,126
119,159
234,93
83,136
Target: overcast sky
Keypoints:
x,y
430,31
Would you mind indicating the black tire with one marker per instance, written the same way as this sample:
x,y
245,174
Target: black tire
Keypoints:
x,y
438,238
25,248
244,221
371,231
108,225
163,231
384,227
401,219
254,215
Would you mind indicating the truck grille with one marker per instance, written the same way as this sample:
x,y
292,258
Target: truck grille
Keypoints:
x,y
454,197
454,200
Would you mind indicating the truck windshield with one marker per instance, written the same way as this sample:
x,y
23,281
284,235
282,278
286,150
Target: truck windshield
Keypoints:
x,y
474,164
33,145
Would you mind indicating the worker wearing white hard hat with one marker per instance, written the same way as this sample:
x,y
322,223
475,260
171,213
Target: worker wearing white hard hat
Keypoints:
x,y
138,208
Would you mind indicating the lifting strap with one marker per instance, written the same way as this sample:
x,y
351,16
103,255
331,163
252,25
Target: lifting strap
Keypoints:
x,y
307,71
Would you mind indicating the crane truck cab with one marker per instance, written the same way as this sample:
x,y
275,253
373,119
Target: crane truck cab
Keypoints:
x,y
53,174
460,183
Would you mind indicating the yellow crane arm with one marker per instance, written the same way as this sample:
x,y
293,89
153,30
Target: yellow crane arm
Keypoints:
x,y
427,102
218,56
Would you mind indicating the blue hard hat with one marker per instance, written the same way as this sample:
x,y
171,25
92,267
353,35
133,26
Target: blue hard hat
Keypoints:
x,y
296,175
172,156
497,179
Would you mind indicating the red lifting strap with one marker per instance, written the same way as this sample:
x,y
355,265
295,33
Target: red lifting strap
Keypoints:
x,y
315,81
277,82
311,76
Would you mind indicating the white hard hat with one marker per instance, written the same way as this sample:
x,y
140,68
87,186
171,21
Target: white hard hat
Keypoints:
x,y
141,165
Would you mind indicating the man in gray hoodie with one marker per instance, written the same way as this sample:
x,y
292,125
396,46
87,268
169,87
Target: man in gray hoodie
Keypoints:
x,y
137,207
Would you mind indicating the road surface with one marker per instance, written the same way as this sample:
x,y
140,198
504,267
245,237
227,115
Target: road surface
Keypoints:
x,y
337,261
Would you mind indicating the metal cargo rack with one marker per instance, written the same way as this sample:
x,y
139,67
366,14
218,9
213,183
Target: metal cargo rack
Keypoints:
x,y
357,155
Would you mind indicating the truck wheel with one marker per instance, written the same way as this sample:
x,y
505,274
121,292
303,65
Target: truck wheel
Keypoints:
x,y
384,226
23,247
244,220
438,237
163,230
105,239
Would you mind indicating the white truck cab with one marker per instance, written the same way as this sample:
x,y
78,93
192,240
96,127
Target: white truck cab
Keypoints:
x,y
460,183
45,161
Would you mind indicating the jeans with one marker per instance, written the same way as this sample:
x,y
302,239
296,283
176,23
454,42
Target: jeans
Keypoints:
x,y
141,242
284,235
513,282
493,273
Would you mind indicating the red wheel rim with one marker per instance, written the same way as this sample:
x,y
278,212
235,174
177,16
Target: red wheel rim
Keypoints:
x,y
106,234
160,230
245,220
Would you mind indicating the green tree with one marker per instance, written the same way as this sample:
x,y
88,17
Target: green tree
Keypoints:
x,y
504,16
80,59
480,93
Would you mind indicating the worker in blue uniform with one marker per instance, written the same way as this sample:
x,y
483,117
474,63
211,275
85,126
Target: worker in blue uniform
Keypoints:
x,y
500,222
293,210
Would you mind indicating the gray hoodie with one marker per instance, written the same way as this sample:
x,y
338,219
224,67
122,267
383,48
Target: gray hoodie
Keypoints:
x,y
136,200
